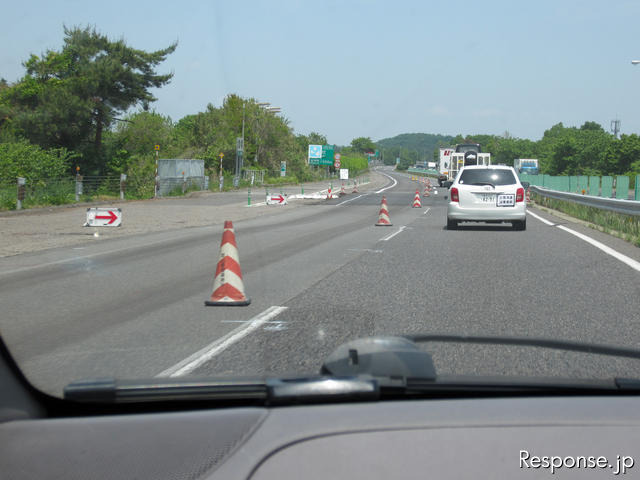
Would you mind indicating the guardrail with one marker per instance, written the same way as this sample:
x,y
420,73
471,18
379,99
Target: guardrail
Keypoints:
x,y
422,170
626,207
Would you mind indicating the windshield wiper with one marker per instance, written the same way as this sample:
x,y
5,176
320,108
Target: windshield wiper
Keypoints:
x,y
567,345
365,369
267,392
483,183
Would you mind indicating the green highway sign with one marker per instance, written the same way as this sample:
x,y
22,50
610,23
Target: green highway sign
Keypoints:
x,y
327,155
321,155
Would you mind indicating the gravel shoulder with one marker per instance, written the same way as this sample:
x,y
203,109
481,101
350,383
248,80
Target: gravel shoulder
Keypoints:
x,y
32,231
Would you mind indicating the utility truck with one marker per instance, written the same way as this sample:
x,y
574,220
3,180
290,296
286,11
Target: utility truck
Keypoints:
x,y
461,155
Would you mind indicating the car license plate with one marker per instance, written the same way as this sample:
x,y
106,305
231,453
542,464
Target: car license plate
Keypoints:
x,y
487,198
506,200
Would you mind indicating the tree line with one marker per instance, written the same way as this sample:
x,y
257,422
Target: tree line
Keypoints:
x,y
584,150
88,105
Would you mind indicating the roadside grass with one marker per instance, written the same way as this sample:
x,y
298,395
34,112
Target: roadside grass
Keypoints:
x,y
626,227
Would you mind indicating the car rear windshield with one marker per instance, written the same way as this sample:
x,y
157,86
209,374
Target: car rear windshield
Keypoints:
x,y
493,176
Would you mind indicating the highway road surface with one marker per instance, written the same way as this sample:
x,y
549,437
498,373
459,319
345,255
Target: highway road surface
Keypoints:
x,y
319,275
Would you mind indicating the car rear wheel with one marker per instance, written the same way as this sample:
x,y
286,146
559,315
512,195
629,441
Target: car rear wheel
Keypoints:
x,y
519,225
452,224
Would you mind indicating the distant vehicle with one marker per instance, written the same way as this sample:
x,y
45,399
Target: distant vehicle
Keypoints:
x,y
444,164
421,165
526,165
467,154
490,194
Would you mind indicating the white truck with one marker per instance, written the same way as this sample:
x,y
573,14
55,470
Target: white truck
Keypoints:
x,y
463,154
444,163
526,165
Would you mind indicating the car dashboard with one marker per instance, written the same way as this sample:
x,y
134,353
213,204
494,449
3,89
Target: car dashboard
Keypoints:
x,y
439,438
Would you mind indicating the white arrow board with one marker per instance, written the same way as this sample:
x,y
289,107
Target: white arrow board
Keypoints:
x,y
103,217
276,199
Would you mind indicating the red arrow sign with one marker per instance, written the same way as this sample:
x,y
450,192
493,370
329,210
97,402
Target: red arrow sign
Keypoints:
x,y
112,217
279,199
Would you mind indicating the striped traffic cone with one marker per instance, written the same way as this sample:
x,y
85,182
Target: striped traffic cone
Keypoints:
x,y
383,217
426,191
342,192
228,287
416,200
355,187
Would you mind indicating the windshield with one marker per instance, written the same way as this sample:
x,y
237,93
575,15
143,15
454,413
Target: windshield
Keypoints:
x,y
235,189
487,176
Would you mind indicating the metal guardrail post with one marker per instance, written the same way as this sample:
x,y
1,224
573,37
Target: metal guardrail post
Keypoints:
x,y
123,184
78,187
21,192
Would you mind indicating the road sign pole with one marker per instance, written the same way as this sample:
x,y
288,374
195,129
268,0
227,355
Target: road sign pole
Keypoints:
x,y
221,177
155,188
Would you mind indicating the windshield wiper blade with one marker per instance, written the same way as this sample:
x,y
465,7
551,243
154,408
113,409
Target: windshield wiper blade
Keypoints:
x,y
111,390
483,183
269,392
568,345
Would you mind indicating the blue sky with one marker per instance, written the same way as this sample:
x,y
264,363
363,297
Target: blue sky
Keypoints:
x,y
373,68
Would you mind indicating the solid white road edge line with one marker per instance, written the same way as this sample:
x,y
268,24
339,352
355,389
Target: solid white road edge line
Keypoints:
x,y
543,220
608,250
395,182
192,362
389,237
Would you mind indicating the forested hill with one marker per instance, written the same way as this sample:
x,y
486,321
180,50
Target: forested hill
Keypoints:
x,y
422,142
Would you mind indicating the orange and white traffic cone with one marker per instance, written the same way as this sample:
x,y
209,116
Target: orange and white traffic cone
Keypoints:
x,y
426,191
529,195
342,192
416,200
228,287
383,217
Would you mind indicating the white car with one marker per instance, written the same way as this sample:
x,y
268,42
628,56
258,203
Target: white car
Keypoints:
x,y
490,194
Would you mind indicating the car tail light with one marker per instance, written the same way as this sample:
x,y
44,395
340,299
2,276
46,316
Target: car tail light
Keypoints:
x,y
519,195
454,195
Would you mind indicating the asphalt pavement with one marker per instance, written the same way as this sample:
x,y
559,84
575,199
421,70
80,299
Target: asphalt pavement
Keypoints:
x,y
135,307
